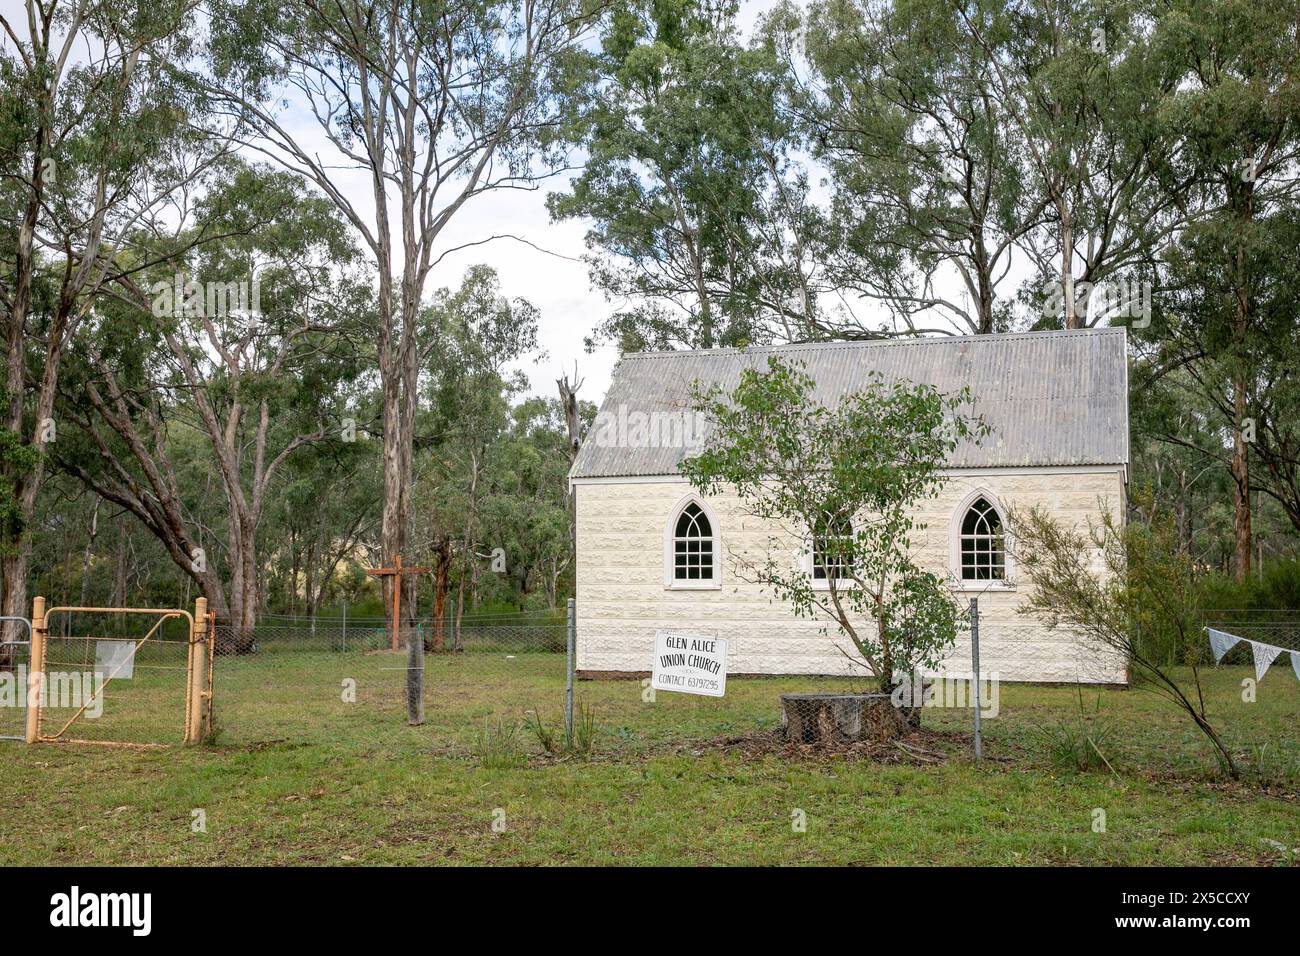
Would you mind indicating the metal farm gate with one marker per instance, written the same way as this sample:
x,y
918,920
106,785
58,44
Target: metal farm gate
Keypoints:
x,y
99,685
15,661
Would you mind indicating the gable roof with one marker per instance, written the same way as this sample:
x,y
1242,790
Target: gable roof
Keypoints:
x,y
1050,398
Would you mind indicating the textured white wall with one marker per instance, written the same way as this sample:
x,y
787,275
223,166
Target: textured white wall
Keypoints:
x,y
622,600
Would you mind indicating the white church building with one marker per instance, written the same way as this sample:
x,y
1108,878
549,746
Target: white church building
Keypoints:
x,y
653,555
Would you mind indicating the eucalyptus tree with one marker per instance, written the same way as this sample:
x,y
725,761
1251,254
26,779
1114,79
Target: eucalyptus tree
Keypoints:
x,y
1081,84
324,512
1276,406
240,356
98,146
1179,465
526,505
481,335
700,215
1226,314
929,199
400,112
89,552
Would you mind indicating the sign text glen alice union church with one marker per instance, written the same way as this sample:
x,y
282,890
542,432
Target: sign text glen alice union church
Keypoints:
x,y
654,556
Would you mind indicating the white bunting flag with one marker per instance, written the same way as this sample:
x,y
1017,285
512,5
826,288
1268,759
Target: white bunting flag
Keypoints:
x,y
1221,643
1265,655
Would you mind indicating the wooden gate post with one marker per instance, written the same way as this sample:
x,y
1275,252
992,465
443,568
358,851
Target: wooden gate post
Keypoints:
x,y
196,672
36,671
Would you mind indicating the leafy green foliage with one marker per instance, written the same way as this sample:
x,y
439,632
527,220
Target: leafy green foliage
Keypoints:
x,y
17,459
1275,588
1130,590
697,207
842,482
924,164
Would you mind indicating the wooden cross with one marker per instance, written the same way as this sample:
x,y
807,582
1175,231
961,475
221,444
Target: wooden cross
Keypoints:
x,y
396,571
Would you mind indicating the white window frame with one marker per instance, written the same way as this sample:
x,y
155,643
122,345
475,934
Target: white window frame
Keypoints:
x,y
671,582
806,564
954,545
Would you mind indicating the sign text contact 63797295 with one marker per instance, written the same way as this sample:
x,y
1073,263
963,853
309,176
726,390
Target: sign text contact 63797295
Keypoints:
x,y
690,664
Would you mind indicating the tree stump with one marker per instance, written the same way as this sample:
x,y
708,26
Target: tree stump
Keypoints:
x,y
840,718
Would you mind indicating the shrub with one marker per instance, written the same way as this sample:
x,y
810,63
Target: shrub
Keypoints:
x,y
1129,588
846,477
1278,589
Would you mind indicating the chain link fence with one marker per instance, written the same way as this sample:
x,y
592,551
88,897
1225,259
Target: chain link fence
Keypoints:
x,y
15,664
1279,628
497,685
320,679
493,682
116,678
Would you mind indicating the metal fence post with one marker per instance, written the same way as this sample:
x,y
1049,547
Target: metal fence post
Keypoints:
x,y
345,625
975,666
570,640
36,671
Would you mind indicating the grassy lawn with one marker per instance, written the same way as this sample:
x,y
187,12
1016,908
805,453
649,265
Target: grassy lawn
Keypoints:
x,y
297,775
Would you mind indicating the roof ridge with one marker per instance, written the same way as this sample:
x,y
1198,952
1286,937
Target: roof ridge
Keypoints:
x,y
880,343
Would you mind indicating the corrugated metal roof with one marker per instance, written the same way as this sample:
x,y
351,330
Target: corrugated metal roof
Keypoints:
x,y
1050,398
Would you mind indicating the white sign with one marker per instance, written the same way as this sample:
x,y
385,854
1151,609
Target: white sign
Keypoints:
x,y
690,664
115,659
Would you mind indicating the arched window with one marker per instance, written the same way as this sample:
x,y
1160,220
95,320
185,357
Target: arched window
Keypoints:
x,y
694,552
831,542
982,543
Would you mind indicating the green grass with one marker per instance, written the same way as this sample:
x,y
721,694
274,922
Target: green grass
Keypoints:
x,y
299,776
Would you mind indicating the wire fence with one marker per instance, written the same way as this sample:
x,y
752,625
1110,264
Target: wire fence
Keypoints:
x,y
491,684
1264,621
116,681
305,679
493,677
1279,628
15,664
494,684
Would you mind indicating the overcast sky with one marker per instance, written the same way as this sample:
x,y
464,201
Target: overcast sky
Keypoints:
x,y
553,281
548,273
559,287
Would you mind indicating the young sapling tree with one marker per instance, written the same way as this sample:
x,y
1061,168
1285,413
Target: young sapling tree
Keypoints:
x,y
1130,589
844,480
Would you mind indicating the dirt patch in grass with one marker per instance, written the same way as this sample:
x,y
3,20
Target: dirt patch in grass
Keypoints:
x,y
1247,788
260,746
920,747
